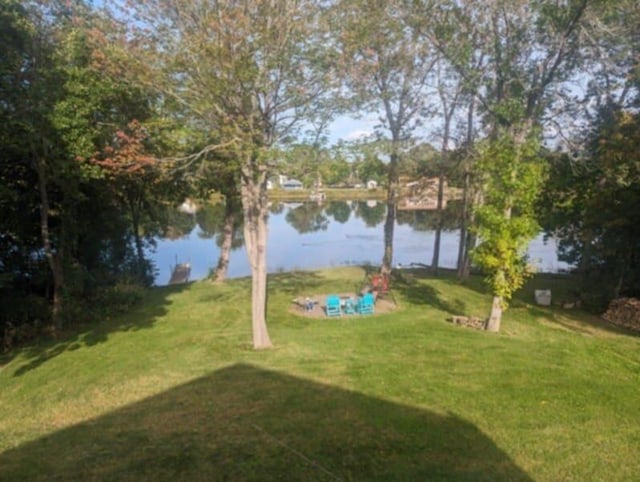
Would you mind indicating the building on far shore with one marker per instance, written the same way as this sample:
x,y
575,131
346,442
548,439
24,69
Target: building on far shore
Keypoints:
x,y
291,184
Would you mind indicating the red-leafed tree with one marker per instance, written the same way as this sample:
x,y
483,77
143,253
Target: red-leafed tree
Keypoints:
x,y
136,176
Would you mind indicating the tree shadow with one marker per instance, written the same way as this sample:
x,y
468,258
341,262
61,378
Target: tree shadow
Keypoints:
x,y
244,423
406,284
578,321
140,317
561,286
291,283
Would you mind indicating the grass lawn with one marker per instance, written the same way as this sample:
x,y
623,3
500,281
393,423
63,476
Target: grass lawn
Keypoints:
x,y
173,391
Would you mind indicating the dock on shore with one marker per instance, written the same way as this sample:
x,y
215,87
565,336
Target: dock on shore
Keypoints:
x,y
180,273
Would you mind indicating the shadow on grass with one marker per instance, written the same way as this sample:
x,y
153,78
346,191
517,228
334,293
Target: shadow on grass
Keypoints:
x,y
141,317
244,423
561,286
419,294
292,282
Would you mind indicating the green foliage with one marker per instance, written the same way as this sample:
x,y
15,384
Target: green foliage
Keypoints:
x,y
591,204
61,106
506,221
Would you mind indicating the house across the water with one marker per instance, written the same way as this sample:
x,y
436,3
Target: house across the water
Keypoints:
x,y
292,184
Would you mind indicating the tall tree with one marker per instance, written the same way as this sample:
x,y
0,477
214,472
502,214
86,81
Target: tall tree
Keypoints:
x,y
450,88
247,71
527,49
386,68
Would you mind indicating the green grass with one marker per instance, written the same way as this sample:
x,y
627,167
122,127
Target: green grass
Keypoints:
x,y
173,391
333,194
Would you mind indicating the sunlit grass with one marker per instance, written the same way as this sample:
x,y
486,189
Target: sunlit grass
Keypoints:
x,y
173,390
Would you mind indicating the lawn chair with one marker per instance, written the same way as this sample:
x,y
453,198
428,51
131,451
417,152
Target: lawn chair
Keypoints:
x,y
380,283
333,305
366,304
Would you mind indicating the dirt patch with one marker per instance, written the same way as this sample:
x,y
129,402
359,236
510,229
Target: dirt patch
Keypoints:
x,y
298,305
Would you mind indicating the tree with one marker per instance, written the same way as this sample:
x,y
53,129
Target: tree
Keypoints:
x,y
506,219
386,68
249,72
224,221
137,179
591,204
61,109
451,89
526,48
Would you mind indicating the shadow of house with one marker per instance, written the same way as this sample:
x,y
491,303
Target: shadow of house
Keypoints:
x,y
243,423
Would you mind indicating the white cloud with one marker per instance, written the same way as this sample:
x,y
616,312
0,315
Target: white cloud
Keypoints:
x,y
357,134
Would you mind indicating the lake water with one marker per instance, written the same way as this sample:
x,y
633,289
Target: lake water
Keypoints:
x,y
310,236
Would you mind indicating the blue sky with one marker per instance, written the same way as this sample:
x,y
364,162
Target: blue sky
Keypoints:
x,y
347,128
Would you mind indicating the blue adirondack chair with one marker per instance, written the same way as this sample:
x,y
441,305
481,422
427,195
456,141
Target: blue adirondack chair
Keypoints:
x,y
366,304
333,305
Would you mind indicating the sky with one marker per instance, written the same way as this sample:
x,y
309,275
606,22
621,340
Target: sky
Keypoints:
x,y
348,128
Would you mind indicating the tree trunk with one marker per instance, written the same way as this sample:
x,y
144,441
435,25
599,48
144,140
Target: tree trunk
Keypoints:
x,y
467,239
135,225
54,257
390,221
470,243
462,246
471,238
227,242
254,204
389,225
493,323
436,244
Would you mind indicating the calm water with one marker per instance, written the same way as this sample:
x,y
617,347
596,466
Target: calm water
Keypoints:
x,y
308,236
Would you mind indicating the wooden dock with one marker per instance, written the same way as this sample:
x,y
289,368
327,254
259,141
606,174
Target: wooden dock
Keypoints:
x,y
180,273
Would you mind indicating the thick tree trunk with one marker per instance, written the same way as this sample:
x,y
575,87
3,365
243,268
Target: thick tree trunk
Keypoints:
x,y
54,257
254,204
389,225
493,323
227,242
390,221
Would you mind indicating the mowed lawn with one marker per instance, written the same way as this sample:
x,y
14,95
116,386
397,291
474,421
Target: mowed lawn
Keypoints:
x,y
173,391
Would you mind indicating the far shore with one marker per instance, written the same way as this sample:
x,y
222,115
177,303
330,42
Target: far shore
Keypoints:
x,y
331,194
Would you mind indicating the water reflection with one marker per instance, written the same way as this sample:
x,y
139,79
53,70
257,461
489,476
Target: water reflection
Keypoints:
x,y
311,235
308,218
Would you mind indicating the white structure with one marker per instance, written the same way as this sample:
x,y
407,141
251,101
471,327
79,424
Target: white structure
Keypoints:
x,y
371,184
291,184
543,297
